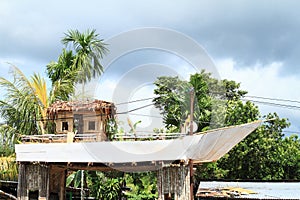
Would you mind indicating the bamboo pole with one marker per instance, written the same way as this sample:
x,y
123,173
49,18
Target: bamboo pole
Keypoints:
x,y
10,196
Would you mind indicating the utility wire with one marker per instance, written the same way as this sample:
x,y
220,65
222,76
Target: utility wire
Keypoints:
x,y
144,115
145,99
295,132
96,115
134,101
87,116
126,112
273,104
273,99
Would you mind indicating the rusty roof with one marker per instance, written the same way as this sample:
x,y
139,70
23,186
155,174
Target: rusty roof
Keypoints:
x,y
104,107
262,190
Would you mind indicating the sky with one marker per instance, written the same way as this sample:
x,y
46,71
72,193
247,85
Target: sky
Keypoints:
x,y
252,42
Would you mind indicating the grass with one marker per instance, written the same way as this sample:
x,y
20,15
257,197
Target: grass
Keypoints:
x,y
8,168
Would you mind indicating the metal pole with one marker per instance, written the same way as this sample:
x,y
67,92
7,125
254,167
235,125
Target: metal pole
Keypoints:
x,y
82,179
192,96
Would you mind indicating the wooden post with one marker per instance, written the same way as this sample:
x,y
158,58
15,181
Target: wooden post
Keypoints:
x,y
57,182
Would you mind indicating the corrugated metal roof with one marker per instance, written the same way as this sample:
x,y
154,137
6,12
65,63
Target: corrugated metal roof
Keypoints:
x,y
265,190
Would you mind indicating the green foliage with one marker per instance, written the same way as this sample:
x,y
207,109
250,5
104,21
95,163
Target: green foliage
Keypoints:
x,y
260,155
74,179
101,185
79,64
238,112
111,128
211,97
290,163
209,171
62,76
171,100
104,186
88,52
265,154
20,97
112,185
142,185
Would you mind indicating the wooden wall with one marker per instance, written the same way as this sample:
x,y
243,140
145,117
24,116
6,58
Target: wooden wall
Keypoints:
x,y
41,181
100,123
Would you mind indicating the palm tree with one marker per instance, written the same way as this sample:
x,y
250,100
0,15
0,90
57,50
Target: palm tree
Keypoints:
x,y
24,104
89,50
21,107
62,75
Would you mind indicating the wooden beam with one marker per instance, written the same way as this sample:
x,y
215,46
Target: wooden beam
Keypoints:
x,y
127,167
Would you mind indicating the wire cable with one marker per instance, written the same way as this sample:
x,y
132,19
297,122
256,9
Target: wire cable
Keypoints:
x,y
273,104
273,99
126,112
134,101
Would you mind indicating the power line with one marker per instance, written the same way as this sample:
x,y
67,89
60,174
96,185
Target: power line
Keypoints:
x,y
273,104
144,115
145,99
134,101
273,99
295,132
126,112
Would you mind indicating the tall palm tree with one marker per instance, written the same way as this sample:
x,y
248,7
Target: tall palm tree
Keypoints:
x,y
89,50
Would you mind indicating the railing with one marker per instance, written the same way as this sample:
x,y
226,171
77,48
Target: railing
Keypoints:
x,y
92,137
59,138
150,136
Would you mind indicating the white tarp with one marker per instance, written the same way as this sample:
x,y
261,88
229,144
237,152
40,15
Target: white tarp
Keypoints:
x,y
206,147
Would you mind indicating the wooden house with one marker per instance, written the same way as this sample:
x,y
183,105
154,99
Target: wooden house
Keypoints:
x,y
82,118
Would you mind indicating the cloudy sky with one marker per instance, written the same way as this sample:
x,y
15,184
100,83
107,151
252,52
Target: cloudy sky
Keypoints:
x,y
252,42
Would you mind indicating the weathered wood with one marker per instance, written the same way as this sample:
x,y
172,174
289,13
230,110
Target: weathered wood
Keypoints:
x,y
57,182
33,177
44,180
82,117
173,182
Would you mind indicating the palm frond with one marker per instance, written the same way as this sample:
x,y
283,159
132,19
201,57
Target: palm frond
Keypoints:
x,y
89,50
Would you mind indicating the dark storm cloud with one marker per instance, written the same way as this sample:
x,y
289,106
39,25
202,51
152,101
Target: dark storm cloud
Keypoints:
x,y
251,32
247,31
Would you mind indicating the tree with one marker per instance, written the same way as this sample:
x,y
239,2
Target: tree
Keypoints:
x,y
102,185
265,154
290,160
78,64
142,186
89,50
211,95
171,100
24,104
260,155
62,75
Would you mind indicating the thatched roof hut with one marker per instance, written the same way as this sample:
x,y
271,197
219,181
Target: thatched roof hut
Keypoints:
x,y
99,106
82,117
